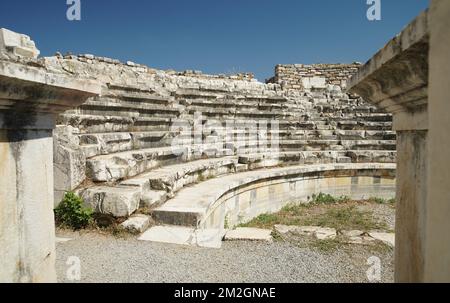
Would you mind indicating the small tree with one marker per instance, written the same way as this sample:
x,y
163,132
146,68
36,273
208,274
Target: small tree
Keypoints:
x,y
72,213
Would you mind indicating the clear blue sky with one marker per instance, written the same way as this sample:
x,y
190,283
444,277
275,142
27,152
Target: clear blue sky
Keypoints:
x,y
215,36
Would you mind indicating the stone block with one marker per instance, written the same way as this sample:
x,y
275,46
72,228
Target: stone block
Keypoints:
x,y
115,201
69,162
17,44
387,238
137,223
320,233
210,238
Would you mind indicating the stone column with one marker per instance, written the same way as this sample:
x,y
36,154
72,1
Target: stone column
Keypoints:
x,y
411,196
30,97
396,79
437,258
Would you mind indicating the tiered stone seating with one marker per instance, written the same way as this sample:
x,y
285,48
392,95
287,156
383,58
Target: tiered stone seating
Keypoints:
x,y
141,146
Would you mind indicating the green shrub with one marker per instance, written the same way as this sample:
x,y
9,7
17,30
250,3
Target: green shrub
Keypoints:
x,y
71,212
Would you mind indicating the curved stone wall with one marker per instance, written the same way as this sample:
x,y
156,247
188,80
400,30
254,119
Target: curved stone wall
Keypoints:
x,y
270,195
208,206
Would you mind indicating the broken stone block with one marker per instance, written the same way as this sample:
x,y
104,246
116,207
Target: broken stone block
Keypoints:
x,y
137,223
69,162
387,238
320,233
210,238
17,44
114,201
325,233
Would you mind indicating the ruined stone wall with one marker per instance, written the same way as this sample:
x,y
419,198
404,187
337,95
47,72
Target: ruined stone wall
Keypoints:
x,y
90,66
300,76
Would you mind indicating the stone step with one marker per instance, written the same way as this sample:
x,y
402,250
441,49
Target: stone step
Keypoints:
x,y
363,118
129,88
364,156
305,145
139,98
153,188
198,94
263,99
240,114
201,94
354,125
170,179
369,145
261,160
236,105
109,143
264,160
115,107
144,124
106,124
197,206
124,165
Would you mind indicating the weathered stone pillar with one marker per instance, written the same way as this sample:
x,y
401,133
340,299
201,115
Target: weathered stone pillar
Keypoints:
x,y
396,79
437,258
29,99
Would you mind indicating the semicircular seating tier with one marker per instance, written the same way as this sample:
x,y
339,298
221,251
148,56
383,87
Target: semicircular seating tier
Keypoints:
x,y
152,134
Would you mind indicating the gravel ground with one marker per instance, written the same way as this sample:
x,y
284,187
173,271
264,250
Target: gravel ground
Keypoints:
x,y
382,212
105,258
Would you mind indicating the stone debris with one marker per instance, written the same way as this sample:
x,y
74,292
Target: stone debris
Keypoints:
x,y
209,238
137,223
17,44
249,234
325,234
351,237
387,238
62,240
317,232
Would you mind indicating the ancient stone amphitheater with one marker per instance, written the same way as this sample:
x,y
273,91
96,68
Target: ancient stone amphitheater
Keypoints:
x,y
201,153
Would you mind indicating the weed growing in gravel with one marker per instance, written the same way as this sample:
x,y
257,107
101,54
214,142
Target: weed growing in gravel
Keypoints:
x,y
265,221
377,200
72,213
328,245
348,218
118,231
382,201
322,198
277,236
